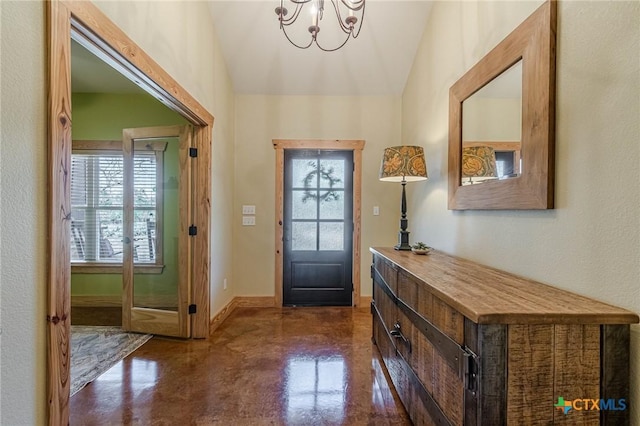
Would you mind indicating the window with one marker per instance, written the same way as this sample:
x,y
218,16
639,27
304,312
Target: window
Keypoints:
x,y
97,205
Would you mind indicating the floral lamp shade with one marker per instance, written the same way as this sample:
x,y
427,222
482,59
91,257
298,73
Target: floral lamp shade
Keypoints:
x,y
478,161
403,163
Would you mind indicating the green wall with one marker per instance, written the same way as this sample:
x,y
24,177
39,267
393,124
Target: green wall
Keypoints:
x,y
99,116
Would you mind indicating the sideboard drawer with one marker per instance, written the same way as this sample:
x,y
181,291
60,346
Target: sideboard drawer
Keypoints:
x,y
418,297
388,271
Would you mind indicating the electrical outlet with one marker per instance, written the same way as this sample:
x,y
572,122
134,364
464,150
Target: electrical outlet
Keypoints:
x,y
248,220
246,209
376,211
224,284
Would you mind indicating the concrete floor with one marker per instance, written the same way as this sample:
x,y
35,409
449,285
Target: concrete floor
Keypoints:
x,y
290,366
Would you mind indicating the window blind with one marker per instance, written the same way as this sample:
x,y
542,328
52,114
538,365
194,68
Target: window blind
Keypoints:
x,y
97,191
144,202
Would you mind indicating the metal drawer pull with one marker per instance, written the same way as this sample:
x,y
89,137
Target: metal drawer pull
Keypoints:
x,y
397,333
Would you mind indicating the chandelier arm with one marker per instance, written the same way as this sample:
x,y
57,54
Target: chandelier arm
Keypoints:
x,y
346,29
353,5
331,50
294,16
297,45
357,33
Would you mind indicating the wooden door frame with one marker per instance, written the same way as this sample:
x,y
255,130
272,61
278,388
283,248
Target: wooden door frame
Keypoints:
x,y
339,144
111,44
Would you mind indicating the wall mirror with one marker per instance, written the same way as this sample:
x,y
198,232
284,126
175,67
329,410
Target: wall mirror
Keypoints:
x,y
502,122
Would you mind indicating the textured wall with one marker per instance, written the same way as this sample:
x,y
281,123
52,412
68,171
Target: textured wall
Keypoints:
x,y
23,226
590,244
260,119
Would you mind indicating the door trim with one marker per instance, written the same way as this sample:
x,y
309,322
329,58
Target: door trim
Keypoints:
x,y
355,145
85,21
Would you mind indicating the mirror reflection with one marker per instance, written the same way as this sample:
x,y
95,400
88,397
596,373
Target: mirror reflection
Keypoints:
x,y
491,131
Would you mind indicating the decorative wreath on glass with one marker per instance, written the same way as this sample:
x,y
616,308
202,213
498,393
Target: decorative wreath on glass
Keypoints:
x,y
326,174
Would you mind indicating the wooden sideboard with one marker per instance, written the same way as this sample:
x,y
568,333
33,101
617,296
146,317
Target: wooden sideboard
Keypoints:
x,y
465,344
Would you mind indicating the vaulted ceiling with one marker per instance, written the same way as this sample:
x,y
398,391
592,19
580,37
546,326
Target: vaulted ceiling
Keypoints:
x,y
261,61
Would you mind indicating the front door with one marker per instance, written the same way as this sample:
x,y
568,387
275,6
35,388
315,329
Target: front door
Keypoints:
x,y
318,228
157,214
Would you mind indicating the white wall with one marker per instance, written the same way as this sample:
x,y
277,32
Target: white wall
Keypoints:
x,y
180,37
590,243
23,226
259,119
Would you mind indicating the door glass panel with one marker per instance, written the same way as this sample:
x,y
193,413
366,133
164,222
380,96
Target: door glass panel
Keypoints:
x,y
331,236
304,173
332,173
333,207
304,205
303,235
156,225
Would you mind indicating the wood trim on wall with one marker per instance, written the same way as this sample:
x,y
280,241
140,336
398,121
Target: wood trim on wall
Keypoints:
x,y
240,302
115,301
255,301
222,315
104,301
347,145
365,302
58,212
111,44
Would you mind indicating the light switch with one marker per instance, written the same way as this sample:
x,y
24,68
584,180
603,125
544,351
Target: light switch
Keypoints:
x,y
248,220
376,211
246,209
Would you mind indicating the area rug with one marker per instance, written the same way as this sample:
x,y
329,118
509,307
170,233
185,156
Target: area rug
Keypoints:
x,y
95,349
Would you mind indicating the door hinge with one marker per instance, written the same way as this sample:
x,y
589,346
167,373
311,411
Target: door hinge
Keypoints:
x,y
193,152
192,309
193,230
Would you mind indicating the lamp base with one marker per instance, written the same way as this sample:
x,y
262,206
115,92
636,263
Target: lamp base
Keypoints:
x,y
403,241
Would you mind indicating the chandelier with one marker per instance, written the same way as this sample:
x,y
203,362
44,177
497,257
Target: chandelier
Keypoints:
x,y
348,13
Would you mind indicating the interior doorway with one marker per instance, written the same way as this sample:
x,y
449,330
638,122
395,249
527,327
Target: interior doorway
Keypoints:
x,y
86,24
106,106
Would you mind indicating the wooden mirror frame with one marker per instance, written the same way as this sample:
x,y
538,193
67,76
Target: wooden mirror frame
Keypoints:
x,y
533,41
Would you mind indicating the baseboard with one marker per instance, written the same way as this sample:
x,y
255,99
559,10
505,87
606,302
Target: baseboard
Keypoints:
x,y
240,302
221,315
365,302
111,301
115,301
255,302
